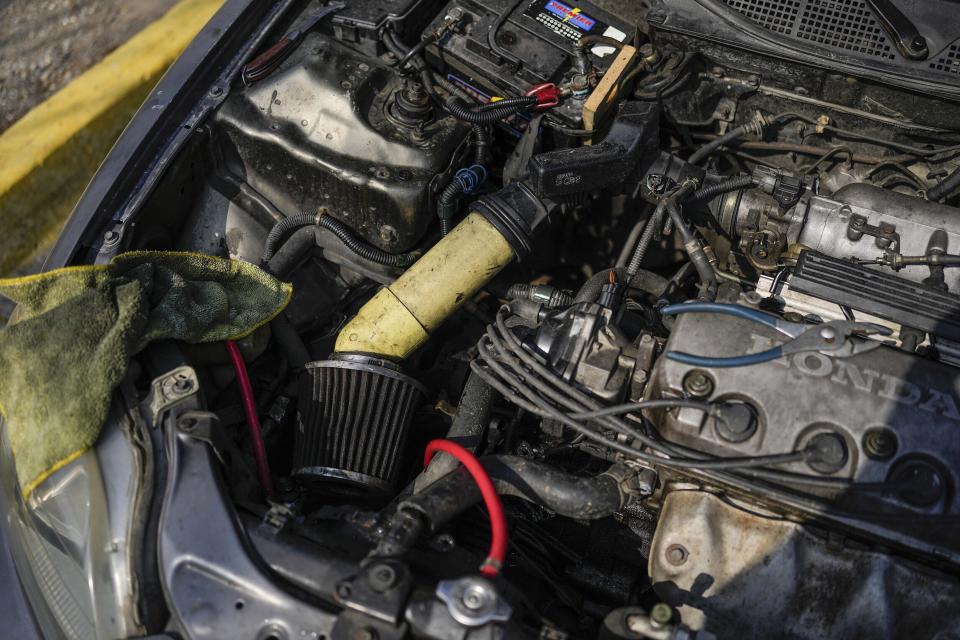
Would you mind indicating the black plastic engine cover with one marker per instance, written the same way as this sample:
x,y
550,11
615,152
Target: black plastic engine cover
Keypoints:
x,y
319,133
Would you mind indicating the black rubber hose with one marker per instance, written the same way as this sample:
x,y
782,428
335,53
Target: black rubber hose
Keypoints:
x,y
416,49
734,134
361,248
416,61
281,231
566,494
488,114
286,228
708,277
643,280
292,252
591,288
947,186
286,337
469,424
708,193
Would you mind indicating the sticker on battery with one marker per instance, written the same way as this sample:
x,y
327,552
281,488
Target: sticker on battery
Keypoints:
x,y
568,21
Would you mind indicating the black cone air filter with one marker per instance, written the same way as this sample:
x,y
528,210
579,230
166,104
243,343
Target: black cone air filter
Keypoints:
x,y
353,420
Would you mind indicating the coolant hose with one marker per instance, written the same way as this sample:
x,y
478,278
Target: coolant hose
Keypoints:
x,y
566,494
401,316
473,415
947,186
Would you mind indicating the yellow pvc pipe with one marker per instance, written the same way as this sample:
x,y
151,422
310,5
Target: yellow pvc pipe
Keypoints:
x,y
400,317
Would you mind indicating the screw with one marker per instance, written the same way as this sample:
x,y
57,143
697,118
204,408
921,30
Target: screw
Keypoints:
x,y
382,577
919,43
182,385
677,554
661,614
829,335
879,443
698,384
111,237
216,91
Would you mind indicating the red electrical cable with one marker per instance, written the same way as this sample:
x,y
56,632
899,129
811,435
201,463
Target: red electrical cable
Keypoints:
x,y
498,522
253,422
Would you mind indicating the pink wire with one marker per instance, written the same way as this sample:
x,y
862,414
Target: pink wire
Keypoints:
x,y
253,422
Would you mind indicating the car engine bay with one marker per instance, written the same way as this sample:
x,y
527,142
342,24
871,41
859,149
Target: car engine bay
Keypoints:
x,y
680,274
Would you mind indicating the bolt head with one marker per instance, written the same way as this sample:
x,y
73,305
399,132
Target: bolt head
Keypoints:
x,y
919,43
661,614
828,334
677,554
879,443
698,383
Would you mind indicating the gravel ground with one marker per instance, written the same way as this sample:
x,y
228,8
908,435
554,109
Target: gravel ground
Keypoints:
x,y
46,43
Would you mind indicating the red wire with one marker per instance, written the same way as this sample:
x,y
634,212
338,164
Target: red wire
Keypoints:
x,y
253,422
498,522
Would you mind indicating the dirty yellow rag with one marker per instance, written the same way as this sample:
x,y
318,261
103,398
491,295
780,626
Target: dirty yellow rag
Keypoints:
x,y
77,328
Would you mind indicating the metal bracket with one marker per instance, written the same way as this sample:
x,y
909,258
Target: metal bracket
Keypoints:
x,y
885,233
170,388
380,590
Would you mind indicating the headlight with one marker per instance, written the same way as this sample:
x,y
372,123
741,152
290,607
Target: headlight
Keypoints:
x,y
70,541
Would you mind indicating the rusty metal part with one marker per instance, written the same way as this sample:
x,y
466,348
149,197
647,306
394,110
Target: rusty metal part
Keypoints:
x,y
753,576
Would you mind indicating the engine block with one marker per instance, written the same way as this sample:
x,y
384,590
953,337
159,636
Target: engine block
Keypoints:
x,y
896,415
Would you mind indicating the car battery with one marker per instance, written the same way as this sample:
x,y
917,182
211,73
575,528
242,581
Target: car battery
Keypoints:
x,y
504,47
359,24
